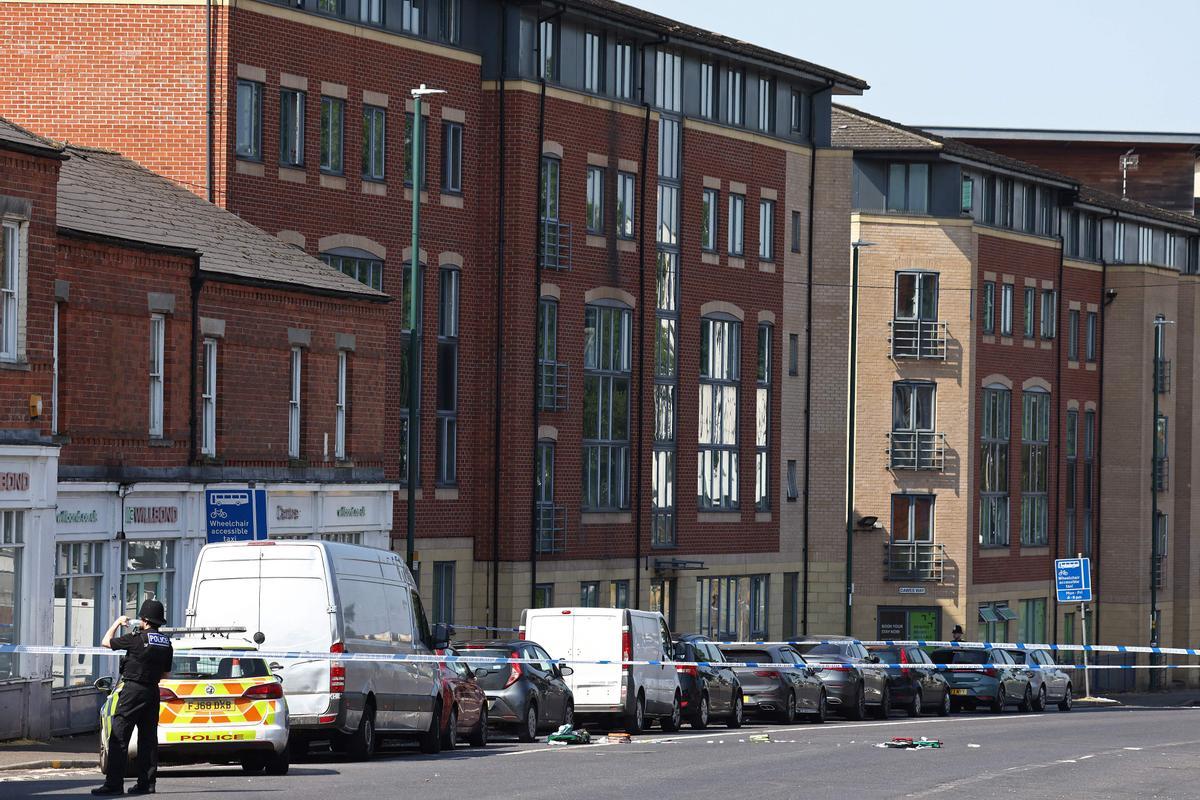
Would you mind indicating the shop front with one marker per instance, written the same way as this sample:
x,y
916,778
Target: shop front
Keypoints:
x,y
910,622
354,514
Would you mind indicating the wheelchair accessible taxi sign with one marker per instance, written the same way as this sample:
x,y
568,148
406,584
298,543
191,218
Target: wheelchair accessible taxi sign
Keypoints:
x,y
1073,580
235,515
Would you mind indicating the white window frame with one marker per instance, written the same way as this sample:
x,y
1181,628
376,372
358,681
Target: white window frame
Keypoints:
x,y
737,220
1145,244
766,230
626,197
1119,243
735,109
295,101
707,104
766,104
708,239
297,362
1007,291
339,435
595,200
10,291
371,11
208,400
593,62
410,16
668,77
623,85
158,335
1169,250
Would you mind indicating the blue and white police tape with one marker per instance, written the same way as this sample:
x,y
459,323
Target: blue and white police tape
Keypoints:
x,y
1087,648
484,628
432,658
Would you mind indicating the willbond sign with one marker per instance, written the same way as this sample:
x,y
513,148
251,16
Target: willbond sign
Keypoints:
x,y
152,513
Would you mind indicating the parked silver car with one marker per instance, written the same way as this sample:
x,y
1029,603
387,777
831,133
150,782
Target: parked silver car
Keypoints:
x,y
1048,683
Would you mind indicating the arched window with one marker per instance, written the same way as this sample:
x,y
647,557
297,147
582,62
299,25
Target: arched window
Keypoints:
x,y
720,373
993,485
1035,449
606,379
358,264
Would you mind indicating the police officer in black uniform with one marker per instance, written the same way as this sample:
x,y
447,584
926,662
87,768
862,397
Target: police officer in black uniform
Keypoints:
x,y
147,659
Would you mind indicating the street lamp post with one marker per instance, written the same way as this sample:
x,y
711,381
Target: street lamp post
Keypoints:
x,y
414,337
850,432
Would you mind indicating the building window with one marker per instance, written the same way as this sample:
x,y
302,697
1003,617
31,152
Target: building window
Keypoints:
x,y
625,207
708,226
443,592
158,335
1092,323
732,608
80,607
766,105
595,200
967,200
667,231
294,405
995,618
708,87
1089,464
1049,313
1029,207
147,573
737,216
793,490
332,110
908,188
593,62
762,421
208,400
719,383
10,290
333,7
1145,245
363,268
624,70
618,594
1073,335
1006,309
606,376
548,50
766,230
1160,453
410,16
793,354
1035,446
734,104
447,378
1072,453
249,120
1033,620
913,443
451,21
1030,311
1169,250
343,404
12,543
374,142
1119,242
1004,202
796,232
662,598
291,128
797,111
1160,535
667,79
993,513
910,553
543,595
547,347
452,141
589,594
988,313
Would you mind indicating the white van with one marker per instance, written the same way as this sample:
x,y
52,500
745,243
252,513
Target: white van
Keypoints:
x,y
331,598
632,694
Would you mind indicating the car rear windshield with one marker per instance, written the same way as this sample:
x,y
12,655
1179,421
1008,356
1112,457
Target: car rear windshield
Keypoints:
x,y
824,649
1018,656
887,656
217,667
959,656
483,652
748,656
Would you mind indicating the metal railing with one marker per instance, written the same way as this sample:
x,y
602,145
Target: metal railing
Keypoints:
x,y
1162,474
1162,376
1158,562
912,338
914,561
917,450
551,528
556,244
554,385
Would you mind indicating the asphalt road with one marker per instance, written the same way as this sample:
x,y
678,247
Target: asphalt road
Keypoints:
x,y
1087,753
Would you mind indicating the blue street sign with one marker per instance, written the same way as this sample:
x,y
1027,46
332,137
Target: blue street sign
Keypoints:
x,y
1073,580
235,515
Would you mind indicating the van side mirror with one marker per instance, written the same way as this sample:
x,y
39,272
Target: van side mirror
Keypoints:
x,y
104,684
680,652
442,634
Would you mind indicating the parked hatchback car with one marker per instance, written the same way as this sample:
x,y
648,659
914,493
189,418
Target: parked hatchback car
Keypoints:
x,y
709,692
916,685
782,693
464,704
523,698
851,688
1048,683
993,687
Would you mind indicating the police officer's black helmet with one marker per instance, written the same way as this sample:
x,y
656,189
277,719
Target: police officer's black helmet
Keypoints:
x,y
152,611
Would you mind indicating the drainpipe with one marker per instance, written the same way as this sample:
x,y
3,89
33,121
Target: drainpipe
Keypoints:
x,y
641,336
497,440
196,284
1096,549
210,110
1056,446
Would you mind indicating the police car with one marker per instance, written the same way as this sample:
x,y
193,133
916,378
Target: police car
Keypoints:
x,y
215,709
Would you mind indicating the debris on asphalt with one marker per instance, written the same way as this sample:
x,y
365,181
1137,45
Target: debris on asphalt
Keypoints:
x,y
569,735
908,743
974,745
762,737
619,738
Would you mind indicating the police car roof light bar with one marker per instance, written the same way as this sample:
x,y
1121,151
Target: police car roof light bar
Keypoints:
x,y
202,631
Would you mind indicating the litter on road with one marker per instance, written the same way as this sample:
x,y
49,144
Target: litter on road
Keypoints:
x,y
569,735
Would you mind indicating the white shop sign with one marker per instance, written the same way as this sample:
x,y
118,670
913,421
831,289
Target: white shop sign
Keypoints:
x,y
350,511
288,511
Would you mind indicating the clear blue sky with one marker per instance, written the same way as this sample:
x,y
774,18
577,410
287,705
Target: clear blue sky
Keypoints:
x,y
1081,64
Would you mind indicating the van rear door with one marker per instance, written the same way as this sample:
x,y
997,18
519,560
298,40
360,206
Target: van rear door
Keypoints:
x,y
597,637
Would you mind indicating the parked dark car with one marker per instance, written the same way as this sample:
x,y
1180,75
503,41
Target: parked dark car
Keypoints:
x,y
851,688
709,692
916,686
464,704
781,692
1048,683
526,698
995,687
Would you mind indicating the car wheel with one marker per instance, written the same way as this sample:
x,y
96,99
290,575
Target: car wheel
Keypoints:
x,y
278,763
788,715
739,711
569,714
1000,701
672,723
914,708
884,709
450,735
1039,702
297,748
254,764
1026,703
431,740
822,712
529,731
636,721
699,719
1066,703
858,709
479,736
360,745
945,708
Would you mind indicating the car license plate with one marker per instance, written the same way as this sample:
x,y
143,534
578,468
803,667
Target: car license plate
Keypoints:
x,y
210,705
960,691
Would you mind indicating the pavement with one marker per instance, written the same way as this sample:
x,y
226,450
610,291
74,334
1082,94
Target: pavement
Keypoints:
x,y
1098,752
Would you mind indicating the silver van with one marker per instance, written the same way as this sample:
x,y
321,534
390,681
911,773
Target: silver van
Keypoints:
x,y
327,597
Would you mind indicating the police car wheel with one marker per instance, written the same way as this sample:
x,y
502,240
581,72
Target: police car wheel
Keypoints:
x,y
278,763
254,764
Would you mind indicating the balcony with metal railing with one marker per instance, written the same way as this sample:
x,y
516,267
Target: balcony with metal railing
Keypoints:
x,y
918,339
914,561
1162,474
917,450
1162,376
556,244
554,385
551,528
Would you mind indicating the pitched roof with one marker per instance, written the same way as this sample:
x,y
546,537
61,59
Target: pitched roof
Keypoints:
x,y
104,193
13,134
678,30
1092,196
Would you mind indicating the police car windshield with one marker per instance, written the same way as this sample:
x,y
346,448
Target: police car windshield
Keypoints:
x,y
217,667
